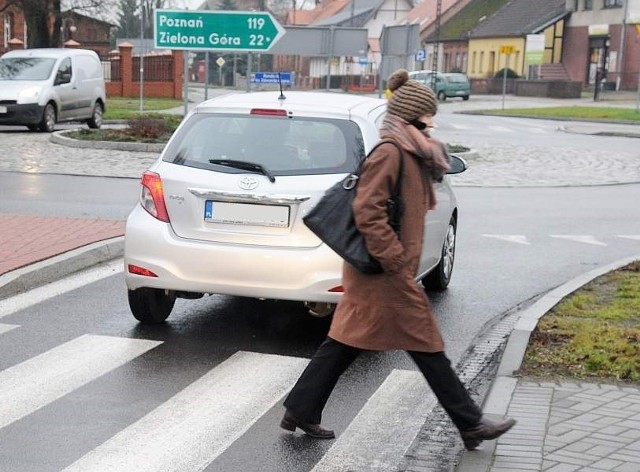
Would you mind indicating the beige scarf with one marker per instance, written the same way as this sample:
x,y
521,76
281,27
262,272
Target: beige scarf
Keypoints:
x,y
432,152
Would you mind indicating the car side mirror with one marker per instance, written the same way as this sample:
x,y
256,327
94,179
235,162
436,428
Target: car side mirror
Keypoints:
x,y
457,165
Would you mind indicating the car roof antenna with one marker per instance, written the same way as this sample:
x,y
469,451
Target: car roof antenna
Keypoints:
x,y
281,97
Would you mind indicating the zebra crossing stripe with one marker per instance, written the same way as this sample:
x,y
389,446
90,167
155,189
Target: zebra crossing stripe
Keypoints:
x,y
28,386
77,280
7,327
197,424
385,427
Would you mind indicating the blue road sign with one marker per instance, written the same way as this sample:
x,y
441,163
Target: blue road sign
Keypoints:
x,y
421,55
272,78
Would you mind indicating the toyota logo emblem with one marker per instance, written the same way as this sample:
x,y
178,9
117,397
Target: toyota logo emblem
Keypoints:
x,y
248,183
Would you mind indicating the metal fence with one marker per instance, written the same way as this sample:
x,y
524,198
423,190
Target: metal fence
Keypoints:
x,y
157,68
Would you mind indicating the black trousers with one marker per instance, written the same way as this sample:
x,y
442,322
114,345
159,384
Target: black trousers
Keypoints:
x,y
309,395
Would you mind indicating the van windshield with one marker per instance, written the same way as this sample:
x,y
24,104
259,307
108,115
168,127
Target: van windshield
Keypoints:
x,y
26,68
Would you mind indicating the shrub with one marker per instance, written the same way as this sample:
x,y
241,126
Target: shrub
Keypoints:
x,y
152,126
511,74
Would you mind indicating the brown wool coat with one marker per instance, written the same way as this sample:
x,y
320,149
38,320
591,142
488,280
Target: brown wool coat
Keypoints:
x,y
388,310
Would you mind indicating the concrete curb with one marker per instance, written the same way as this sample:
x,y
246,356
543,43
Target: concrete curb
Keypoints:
x,y
57,267
501,391
58,137
618,134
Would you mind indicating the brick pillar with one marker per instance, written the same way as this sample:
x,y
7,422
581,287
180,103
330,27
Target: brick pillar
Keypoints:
x,y
15,43
178,80
126,69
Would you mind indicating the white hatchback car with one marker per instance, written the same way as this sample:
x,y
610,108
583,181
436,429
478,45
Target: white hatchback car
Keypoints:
x,y
221,209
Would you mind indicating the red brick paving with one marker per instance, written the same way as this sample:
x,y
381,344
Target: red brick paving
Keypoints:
x,y
28,239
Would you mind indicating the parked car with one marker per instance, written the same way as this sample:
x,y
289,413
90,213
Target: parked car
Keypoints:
x,y
42,87
446,84
221,209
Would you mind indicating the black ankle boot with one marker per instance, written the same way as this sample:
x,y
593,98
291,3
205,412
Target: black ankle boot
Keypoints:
x,y
485,430
290,423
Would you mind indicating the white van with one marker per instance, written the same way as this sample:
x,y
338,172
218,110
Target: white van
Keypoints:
x,y
42,87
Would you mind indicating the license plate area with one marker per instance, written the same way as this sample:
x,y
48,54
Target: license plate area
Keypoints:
x,y
3,109
246,214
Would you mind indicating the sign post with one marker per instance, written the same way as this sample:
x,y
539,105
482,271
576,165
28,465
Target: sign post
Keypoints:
x,y
507,50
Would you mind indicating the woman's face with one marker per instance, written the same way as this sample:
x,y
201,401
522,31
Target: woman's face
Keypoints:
x,y
427,120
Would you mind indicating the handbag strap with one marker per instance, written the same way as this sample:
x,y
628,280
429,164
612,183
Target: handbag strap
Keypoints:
x,y
398,186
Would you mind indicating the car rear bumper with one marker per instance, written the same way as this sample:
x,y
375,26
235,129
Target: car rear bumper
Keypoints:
x,y
301,274
26,114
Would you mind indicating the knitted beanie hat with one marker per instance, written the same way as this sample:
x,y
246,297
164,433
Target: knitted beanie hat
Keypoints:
x,y
410,99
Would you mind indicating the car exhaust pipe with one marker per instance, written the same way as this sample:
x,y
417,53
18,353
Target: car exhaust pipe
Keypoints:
x,y
320,309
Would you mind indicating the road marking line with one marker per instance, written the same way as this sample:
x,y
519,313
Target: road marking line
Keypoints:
x,y
385,427
512,238
37,295
587,239
461,127
192,428
501,129
630,236
32,384
7,327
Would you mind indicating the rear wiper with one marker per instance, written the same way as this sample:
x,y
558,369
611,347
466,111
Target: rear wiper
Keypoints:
x,y
250,166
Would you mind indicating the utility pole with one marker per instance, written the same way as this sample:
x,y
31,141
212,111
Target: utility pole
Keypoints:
x,y
436,46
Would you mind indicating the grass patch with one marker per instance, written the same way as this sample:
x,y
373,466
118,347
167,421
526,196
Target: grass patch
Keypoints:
x,y
124,108
610,114
594,334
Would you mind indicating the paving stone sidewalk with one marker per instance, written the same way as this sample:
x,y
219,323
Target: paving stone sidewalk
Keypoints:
x,y
563,426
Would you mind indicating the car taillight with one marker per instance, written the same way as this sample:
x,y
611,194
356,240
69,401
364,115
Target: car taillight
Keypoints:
x,y
137,270
152,196
338,289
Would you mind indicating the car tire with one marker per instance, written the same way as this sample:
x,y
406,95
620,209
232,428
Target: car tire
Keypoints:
x,y
442,96
48,121
95,121
440,276
151,305
465,97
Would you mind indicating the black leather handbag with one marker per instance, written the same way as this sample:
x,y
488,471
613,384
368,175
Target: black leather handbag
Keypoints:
x,y
332,218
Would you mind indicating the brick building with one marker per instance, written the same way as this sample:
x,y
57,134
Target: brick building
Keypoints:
x,y
91,33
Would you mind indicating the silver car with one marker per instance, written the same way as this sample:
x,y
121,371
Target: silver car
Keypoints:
x,y
221,209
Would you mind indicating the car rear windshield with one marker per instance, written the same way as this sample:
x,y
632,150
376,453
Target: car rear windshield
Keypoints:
x,y
282,145
26,68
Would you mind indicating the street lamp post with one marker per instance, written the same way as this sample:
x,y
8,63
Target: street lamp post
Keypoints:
x,y
66,30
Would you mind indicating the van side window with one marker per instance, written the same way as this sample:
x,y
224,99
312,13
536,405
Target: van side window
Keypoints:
x,y
63,76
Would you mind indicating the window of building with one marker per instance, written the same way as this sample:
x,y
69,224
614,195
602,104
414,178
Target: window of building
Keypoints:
x,y
613,3
473,62
588,5
481,66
